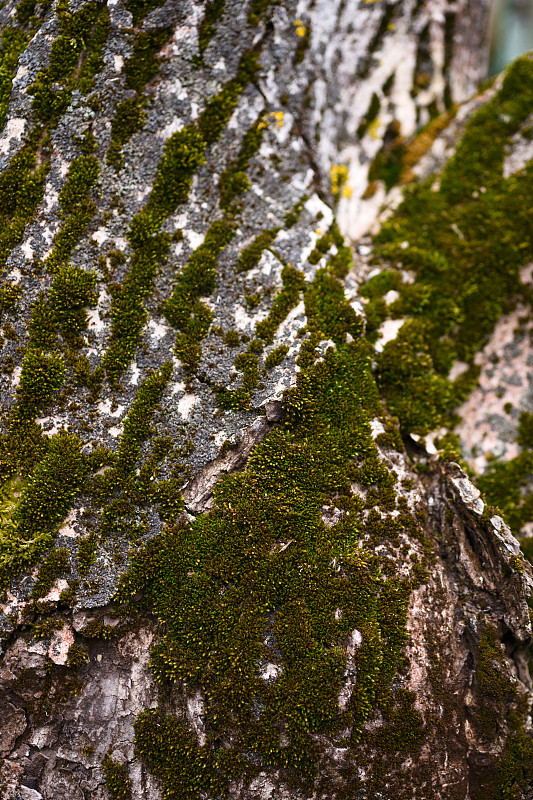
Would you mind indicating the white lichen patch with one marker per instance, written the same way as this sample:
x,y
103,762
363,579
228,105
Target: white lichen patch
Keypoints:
x,y
106,407
388,332
51,425
60,645
68,527
355,640
14,129
195,714
186,404
100,236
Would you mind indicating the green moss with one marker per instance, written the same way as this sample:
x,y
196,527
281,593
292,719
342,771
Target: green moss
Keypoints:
x,y
41,376
75,57
284,301
77,656
53,566
117,781
213,120
183,309
258,10
365,63
304,40
259,579
129,118
21,190
276,356
43,504
465,255
234,181
141,8
328,312
182,155
119,489
212,14
72,290
250,257
9,295
12,43
412,390
86,555
143,64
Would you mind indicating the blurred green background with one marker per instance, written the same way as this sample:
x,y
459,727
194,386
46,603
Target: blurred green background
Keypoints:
x,y
512,31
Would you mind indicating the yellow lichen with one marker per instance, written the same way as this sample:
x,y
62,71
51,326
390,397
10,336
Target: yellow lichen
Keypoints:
x,y
300,28
338,175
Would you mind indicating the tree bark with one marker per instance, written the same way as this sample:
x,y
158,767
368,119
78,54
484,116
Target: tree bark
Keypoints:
x,y
228,568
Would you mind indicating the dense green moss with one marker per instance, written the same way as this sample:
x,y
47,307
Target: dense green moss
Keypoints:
x,y
77,208
466,241
117,781
183,309
260,580
41,376
43,504
51,568
328,312
250,257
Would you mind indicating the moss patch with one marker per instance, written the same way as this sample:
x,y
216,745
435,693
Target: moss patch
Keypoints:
x,y
466,241
259,580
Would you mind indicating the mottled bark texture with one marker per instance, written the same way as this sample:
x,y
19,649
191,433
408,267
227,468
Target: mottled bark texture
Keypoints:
x,y
238,558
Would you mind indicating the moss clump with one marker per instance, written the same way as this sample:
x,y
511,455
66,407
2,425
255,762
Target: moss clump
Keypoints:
x,y
9,295
183,309
129,118
287,298
465,255
258,10
276,356
234,181
142,66
71,292
412,390
251,255
86,555
43,504
116,777
259,580
218,111
370,116
328,312
12,42
53,566
141,8
41,376
212,14
77,656
119,489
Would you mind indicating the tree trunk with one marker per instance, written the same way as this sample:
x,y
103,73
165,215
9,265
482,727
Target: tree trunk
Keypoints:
x,y
235,562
